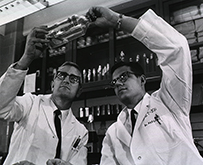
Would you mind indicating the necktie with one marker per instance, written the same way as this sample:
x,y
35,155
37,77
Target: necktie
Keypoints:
x,y
133,118
57,123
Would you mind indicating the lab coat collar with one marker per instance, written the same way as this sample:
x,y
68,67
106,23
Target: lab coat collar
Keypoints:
x,y
69,122
49,107
142,111
122,132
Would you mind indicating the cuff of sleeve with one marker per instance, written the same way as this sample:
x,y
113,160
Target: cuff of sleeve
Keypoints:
x,y
141,30
17,70
11,71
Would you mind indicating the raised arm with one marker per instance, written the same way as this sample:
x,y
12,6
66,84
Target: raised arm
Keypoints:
x,y
174,59
35,45
12,80
170,46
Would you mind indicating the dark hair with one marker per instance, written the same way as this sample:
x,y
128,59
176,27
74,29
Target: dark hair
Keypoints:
x,y
70,63
134,66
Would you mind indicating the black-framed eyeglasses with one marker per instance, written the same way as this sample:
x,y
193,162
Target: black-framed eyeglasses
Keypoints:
x,y
72,78
122,78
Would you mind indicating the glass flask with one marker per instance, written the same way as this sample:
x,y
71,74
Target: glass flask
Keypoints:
x,y
67,30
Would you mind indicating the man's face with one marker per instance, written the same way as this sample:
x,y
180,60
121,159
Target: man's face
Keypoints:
x,y
127,85
66,84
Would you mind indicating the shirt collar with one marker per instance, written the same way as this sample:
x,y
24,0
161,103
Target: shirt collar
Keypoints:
x,y
137,107
65,113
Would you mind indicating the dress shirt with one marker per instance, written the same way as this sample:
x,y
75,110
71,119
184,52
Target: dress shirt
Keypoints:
x,y
136,109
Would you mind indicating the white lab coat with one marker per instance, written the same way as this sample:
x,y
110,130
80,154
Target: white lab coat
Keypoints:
x,y
34,137
162,134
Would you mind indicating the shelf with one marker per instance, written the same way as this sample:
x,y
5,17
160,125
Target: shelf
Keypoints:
x,y
96,92
97,85
197,72
100,118
197,109
96,46
103,88
196,45
96,89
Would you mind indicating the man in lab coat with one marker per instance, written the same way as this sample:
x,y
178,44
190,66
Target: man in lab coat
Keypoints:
x,y
34,139
162,132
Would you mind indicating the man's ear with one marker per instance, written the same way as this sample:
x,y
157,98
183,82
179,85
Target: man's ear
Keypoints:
x,y
52,85
143,79
79,91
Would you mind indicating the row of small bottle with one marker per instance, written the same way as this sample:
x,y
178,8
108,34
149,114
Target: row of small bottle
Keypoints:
x,y
92,40
100,110
88,75
147,60
92,75
57,51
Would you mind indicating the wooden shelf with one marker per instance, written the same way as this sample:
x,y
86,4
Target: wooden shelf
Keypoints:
x,y
197,108
100,118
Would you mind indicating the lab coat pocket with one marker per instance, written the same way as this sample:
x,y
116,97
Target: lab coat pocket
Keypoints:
x,y
163,134
43,144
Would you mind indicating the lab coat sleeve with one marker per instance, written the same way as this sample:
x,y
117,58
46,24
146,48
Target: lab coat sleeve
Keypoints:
x,y
12,107
174,59
108,154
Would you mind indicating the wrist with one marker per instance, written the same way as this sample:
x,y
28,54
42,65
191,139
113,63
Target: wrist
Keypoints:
x,y
23,63
20,66
119,21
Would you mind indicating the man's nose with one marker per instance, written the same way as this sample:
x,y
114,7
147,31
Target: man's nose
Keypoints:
x,y
66,79
119,83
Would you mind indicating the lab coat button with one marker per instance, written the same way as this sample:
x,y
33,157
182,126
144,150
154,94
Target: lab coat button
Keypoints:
x,y
139,157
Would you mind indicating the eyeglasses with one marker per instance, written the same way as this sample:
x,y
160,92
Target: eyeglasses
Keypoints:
x,y
122,78
72,78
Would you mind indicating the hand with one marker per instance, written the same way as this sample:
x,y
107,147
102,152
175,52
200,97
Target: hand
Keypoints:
x,y
35,45
103,17
56,162
36,42
25,162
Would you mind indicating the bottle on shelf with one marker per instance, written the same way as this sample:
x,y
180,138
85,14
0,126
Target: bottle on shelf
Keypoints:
x,y
93,74
93,138
104,70
107,70
81,112
99,73
89,75
84,74
122,56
